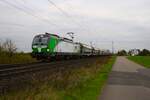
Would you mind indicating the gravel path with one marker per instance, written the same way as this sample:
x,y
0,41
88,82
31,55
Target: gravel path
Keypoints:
x,y
127,81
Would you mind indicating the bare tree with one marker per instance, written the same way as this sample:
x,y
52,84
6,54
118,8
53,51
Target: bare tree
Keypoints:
x,y
9,46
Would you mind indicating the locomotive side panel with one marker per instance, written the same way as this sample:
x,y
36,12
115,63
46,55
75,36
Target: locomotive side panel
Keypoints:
x,y
86,50
67,48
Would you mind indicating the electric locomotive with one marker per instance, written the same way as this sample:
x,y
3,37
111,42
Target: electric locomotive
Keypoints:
x,y
51,46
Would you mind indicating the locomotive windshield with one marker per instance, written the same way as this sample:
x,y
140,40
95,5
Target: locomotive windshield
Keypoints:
x,y
40,40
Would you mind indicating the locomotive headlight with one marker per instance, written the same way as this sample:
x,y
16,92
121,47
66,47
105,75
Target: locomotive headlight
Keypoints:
x,y
44,46
47,50
34,46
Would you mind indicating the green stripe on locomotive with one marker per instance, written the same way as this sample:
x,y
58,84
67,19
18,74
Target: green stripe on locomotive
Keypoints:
x,y
52,43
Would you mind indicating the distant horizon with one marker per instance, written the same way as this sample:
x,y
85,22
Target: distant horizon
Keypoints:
x,y
105,44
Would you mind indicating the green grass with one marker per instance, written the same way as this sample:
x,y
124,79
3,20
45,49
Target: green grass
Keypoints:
x,y
83,83
90,90
16,58
143,60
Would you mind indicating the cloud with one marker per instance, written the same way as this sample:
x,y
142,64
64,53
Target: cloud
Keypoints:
x,y
99,21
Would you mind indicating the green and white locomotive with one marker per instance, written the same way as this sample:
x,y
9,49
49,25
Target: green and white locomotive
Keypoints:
x,y
51,46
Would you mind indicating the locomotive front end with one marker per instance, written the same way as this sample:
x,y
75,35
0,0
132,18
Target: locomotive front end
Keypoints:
x,y
44,45
40,46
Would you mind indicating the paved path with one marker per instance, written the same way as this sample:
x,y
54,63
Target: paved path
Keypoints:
x,y
127,81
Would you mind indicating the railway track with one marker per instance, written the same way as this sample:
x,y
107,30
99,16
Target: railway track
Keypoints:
x,y
20,72
10,72
18,69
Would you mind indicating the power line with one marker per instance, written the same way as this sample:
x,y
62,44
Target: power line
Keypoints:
x,y
61,10
66,14
38,14
32,11
12,24
86,25
22,10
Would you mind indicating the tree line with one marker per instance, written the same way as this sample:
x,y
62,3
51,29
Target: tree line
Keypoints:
x,y
144,52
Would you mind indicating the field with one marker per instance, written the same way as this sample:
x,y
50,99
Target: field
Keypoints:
x,y
16,58
84,81
143,60
10,55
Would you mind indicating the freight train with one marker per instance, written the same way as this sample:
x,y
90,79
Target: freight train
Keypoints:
x,y
52,46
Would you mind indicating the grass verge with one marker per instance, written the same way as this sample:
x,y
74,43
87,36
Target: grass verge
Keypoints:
x,y
17,58
82,83
91,88
142,60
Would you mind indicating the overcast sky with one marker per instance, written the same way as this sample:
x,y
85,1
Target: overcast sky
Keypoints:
x,y
126,22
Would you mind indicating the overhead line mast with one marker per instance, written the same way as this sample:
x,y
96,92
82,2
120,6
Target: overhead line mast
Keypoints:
x,y
71,34
112,47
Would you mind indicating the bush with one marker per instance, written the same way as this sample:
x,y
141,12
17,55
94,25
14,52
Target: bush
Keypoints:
x,y
9,54
122,53
144,52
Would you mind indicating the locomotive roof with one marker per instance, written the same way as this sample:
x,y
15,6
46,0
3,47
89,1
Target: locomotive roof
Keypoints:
x,y
62,38
52,35
47,34
66,39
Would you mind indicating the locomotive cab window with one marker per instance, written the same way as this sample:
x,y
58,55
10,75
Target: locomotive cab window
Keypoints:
x,y
40,41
